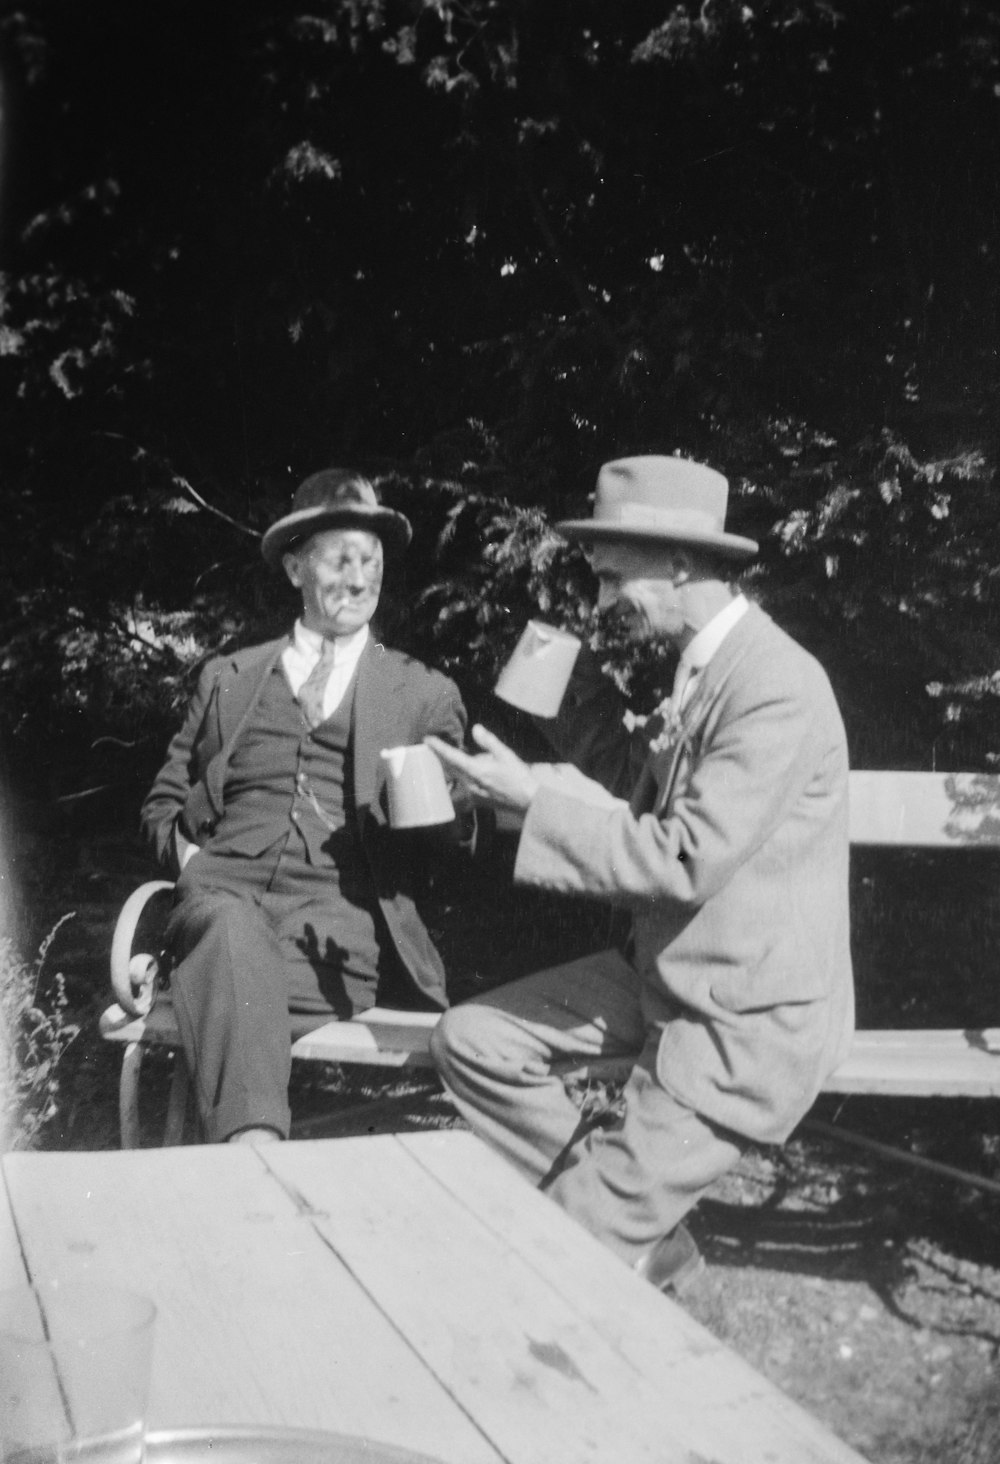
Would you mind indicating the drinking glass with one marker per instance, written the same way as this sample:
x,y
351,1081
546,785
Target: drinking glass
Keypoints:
x,y
74,1374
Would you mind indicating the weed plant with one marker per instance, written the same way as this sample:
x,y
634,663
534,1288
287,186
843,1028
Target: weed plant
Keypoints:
x,y
35,1031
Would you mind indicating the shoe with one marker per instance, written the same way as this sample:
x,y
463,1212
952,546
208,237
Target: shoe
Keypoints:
x,y
673,1263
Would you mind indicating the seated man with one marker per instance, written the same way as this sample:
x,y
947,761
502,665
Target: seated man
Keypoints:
x,y
727,842
292,891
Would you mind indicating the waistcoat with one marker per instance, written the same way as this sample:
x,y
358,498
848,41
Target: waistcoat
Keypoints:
x,y
288,783
289,806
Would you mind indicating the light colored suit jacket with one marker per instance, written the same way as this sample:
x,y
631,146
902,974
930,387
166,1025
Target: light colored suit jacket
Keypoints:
x,y
732,855
397,701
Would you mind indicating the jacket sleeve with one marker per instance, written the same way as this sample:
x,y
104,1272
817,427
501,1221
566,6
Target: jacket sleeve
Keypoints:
x,y
447,718
590,729
754,769
165,801
444,713
440,712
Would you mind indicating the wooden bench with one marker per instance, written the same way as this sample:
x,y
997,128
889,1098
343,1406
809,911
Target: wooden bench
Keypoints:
x,y
888,809
143,1017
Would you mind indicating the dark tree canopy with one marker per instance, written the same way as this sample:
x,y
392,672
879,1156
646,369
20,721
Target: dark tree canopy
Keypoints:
x,y
478,249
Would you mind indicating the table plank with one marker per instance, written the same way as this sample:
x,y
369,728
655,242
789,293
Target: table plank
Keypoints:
x,y
258,1321
12,1272
545,1338
712,1400
543,1386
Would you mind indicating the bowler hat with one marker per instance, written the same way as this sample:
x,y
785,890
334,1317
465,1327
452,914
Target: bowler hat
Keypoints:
x,y
664,500
335,499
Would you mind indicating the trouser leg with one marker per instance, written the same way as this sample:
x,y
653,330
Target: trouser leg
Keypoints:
x,y
632,1183
495,1054
231,1007
629,1184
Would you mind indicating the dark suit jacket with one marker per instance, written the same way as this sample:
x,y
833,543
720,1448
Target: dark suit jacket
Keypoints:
x,y
732,856
397,701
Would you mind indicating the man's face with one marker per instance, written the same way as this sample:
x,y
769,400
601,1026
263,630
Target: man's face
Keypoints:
x,y
339,573
643,587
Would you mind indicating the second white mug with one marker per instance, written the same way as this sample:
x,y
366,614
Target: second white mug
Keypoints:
x,y
537,674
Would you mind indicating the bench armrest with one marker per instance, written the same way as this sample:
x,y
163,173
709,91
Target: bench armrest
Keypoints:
x,y
133,977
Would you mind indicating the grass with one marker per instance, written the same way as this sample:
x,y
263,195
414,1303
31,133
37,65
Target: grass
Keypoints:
x,y
35,1032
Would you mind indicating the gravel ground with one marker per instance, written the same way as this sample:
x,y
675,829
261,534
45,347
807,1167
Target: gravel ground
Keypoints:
x,y
868,1293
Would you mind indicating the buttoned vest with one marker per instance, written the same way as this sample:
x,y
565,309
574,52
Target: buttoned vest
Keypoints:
x,y
289,789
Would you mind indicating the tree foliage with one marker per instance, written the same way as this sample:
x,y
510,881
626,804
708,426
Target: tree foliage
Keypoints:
x,y
478,249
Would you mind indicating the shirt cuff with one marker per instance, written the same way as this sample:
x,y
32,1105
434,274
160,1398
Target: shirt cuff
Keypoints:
x,y
183,848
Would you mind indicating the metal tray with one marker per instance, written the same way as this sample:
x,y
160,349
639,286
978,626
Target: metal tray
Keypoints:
x,y
271,1446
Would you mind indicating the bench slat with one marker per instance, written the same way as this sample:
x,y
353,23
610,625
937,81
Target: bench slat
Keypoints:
x,y
382,1037
925,810
928,1063
157,1029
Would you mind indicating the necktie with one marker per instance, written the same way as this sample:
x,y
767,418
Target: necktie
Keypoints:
x,y
313,689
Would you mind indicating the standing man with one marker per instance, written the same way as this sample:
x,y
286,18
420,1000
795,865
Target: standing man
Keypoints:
x,y
293,893
727,841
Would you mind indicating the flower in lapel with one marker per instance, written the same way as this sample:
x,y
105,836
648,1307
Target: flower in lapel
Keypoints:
x,y
673,731
677,732
662,740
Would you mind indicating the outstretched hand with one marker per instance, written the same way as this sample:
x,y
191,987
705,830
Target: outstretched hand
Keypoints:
x,y
496,775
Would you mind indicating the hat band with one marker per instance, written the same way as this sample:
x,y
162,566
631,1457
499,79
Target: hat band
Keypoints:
x,y
669,520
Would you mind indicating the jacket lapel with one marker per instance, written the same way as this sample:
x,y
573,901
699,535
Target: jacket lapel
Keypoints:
x,y
710,683
239,690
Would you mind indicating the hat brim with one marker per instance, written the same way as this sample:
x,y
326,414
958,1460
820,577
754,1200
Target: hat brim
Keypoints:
x,y
730,546
394,529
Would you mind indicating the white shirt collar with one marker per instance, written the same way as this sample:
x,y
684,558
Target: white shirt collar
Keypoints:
x,y
346,648
708,640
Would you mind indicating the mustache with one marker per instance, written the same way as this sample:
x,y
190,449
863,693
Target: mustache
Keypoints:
x,y
349,597
613,619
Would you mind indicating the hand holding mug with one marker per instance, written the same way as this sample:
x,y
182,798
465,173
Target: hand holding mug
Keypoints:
x,y
496,775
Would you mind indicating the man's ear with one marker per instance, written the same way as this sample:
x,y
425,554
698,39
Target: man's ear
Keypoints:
x,y
290,562
684,566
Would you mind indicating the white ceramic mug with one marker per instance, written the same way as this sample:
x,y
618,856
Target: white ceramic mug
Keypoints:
x,y
418,791
537,674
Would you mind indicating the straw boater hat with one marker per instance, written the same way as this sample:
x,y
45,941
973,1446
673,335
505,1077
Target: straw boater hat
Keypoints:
x,y
660,500
335,499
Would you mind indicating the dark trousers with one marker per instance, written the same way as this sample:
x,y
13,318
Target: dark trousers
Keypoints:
x,y
251,940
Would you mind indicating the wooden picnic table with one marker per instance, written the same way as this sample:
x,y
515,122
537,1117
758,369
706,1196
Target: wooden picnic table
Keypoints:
x,y
410,1289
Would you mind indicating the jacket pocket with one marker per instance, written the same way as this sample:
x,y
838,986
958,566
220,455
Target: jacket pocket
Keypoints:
x,y
770,984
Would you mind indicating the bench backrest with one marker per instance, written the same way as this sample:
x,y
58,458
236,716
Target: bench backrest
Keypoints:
x,y
926,810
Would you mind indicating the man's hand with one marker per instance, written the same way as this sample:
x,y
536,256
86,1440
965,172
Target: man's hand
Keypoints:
x,y
184,849
496,775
